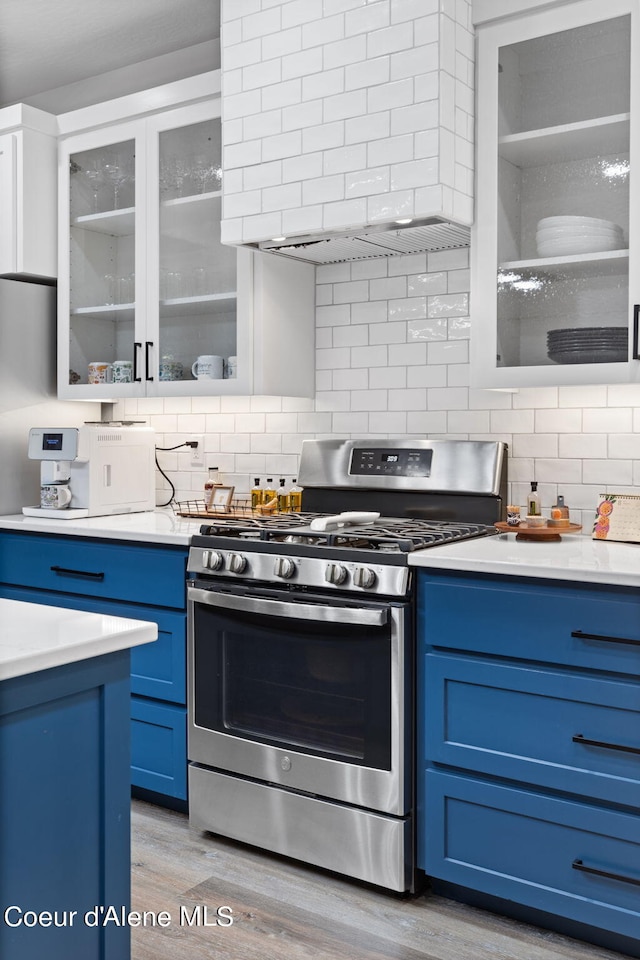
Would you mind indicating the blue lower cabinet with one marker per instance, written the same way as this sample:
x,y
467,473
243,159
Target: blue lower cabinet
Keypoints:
x,y
553,854
144,582
159,747
64,811
528,741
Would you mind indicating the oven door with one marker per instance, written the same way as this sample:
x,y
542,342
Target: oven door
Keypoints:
x,y
309,692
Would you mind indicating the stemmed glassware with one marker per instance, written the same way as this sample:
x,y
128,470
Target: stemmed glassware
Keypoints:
x,y
95,175
117,173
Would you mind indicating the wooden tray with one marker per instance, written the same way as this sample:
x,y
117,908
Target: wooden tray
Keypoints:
x,y
525,532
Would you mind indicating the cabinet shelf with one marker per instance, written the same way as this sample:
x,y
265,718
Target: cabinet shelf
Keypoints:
x,y
115,223
607,263
569,141
108,311
192,198
198,306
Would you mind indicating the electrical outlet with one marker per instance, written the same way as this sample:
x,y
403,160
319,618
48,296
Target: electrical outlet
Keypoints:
x,y
197,453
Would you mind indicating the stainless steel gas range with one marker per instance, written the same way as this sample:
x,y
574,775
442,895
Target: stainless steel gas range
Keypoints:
x,y
301,652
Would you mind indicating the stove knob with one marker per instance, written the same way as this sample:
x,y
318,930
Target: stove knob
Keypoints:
x,y
364,577
284,567
212,559
237,563
335,573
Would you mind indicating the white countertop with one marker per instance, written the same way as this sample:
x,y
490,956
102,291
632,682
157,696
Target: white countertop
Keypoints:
x,y
153,526
574,558
36,637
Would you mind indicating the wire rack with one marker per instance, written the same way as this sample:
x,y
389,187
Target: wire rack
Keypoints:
x,y
239,507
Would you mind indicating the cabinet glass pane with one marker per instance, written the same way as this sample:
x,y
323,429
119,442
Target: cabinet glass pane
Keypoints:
x,y
102,262
563,197
197,292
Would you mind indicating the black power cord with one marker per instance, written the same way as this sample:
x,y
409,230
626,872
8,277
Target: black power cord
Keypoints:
x,y
188,443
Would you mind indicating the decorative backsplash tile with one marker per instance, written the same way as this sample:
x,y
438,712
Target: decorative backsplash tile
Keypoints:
x,y
383,372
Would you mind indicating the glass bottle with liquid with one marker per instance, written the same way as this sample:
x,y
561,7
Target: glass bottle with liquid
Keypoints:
x,y
533,501
269,491
295,497
283,497
257,494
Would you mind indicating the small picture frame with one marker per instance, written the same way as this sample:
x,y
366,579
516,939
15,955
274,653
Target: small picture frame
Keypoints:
x,y
221,498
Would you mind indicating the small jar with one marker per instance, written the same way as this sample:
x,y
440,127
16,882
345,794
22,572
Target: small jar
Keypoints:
x,y
513,515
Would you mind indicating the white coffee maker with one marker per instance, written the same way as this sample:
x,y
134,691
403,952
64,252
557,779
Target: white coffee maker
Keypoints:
x,y
93,470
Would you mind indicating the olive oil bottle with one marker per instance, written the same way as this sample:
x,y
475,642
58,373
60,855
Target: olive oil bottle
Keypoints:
x,y
283,498
295,497
257,494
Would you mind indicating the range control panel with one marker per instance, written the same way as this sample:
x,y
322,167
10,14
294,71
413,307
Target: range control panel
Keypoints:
x,y
378,462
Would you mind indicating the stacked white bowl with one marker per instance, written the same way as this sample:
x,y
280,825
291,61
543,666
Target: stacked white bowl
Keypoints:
x,y
566,236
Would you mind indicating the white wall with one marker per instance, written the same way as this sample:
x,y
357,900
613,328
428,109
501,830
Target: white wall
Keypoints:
x,y
392,360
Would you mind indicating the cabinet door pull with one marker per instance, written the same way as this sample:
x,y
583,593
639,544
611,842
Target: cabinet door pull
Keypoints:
x,y
147,363
597,636
136,347
579,738
68,572
579,865
636,324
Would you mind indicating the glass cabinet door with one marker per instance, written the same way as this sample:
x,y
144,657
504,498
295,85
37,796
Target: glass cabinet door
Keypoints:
x,y
102,266
563,185
197,282
554,239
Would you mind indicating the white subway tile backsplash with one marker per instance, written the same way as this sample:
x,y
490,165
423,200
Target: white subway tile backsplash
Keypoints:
x,y
351,336
427,328
362,183
301,11
306,114
424,375
370,400
392,332
322,190
281,95
535,445
407,354
280,44
391,206
350,212
344,159
608,472
342,106
415,173
352,292
413,119
387,424
366,73
388,378
367,128
371,356
307,218
344,52
374,311
358,379
409,309
301,168
609,420
326,30
624,445
323,137
428,424
391,39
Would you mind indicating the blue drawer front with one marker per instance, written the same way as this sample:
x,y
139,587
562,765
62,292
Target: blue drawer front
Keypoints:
x,y
522,847
159,747
117,571
532,621
516,723
158,669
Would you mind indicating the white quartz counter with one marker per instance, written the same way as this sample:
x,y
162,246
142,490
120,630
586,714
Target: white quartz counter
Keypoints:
x,y
153,526
36,637
573,558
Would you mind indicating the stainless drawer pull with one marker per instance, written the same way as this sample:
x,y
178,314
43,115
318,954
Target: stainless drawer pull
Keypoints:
x,y
579,865
578,738
597,636
66,571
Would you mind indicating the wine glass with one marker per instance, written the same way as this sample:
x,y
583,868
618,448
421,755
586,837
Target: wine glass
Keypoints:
x,y
95,175
117,172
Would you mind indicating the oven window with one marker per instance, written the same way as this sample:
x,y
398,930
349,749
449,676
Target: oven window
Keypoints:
x,y
319,688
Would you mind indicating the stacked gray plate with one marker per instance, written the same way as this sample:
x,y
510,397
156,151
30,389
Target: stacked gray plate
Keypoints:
x,y
588,345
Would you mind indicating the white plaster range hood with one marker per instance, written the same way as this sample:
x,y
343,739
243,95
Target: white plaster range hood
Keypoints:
x,y
428,236
347,128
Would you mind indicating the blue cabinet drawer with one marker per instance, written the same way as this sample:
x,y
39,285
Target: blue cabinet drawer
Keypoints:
x,y
578,734
158,669
590,626
110,569
571,860
159,747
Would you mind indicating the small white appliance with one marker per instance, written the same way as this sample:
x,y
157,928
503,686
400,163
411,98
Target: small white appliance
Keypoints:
x,y
109,468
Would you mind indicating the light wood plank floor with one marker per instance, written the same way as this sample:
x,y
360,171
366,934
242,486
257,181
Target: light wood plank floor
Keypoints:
x,y
283,910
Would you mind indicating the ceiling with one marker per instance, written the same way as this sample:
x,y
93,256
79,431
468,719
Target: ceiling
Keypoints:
x,y
46,44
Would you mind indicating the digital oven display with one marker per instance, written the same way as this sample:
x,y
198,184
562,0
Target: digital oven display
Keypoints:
x,y
391,463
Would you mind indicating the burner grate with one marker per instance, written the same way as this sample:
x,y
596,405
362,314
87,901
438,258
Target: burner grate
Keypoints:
x,y
389,534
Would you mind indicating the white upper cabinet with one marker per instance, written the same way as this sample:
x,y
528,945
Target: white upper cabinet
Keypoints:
x,y
28,233
555,260
147,291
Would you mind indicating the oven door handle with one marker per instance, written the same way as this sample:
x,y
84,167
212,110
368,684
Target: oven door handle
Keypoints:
x,y
296,611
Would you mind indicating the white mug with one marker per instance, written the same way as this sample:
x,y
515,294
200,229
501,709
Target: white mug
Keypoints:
x,y
99,372
54,496
208,367
231,367
122,371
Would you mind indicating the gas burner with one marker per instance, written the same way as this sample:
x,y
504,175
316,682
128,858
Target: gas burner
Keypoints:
x,y
391,535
